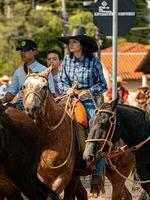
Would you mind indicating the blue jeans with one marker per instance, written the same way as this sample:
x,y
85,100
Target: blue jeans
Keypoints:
x,y
90,109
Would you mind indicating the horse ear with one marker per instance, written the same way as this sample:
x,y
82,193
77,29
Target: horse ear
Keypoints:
x,y
46,72
114,103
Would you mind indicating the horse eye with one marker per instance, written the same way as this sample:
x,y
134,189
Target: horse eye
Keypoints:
x,y
96,112
45,87
103,116
23,87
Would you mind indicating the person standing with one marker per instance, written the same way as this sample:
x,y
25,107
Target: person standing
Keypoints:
x,y
122,92
54,60
141,97
4,81
81,66
28,50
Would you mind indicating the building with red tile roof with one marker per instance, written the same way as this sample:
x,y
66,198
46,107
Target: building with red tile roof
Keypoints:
x,y
130,57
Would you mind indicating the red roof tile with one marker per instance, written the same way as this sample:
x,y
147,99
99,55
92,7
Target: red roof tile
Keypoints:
x,y
130,55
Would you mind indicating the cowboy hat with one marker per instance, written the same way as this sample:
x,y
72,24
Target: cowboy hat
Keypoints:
x,y
79,34
5,78
145,88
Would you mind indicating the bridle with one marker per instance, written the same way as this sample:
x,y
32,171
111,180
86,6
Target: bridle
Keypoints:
x,y
42,100
110,132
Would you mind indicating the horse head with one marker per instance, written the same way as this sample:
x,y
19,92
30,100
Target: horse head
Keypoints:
x,y
35,91
102,125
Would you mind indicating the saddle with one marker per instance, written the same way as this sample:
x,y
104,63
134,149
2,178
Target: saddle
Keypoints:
x,y
77,113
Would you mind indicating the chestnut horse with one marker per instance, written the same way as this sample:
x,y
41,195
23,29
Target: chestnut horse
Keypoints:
x,y
20,150
60,152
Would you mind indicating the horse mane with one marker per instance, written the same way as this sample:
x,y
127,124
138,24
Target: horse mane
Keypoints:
x,y
144,113
132,107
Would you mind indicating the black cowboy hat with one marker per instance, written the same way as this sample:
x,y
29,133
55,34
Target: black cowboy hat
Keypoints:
x,y
79,34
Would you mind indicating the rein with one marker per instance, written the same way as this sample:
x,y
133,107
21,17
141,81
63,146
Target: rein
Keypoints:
x,y
71,144
50,129
110,154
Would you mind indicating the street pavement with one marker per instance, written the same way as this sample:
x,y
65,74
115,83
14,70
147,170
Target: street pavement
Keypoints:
x,y
108,189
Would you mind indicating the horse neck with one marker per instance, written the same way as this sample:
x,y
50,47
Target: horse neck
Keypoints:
x,y
132,124
51,112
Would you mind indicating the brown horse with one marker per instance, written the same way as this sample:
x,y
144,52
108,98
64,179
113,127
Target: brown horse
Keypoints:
x,y
20,150
60,151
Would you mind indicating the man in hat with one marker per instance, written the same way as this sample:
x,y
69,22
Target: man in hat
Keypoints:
x,y
122,92
27,50
141,97
81,66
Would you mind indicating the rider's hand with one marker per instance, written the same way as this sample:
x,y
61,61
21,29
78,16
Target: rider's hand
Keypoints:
x,y
70,92
84,94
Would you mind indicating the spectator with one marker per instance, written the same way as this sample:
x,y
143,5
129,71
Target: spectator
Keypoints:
x,y
27,50
122,92
4,85
54,60
141,97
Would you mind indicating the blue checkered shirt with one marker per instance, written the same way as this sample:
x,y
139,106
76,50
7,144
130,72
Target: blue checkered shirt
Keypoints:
x,y
87,72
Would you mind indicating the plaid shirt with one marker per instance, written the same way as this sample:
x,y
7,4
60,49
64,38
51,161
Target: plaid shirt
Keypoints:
x,y
87,72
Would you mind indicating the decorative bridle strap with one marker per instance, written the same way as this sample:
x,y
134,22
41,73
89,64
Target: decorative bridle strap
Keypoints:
x,y
36,94
99,140
127,149
36,76
110,132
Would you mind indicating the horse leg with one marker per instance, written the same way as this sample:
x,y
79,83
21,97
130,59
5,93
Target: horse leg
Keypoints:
x,y
70,190
43,187
81,193
118,183
30,190
8,189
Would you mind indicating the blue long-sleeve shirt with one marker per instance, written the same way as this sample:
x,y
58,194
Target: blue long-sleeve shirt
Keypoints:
x,y
87,72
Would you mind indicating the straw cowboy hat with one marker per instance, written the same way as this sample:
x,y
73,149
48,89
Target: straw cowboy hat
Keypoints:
x,y
79,34
144,88
5,78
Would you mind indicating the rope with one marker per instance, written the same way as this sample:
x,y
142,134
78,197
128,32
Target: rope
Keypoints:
x,y
62,119
128,179
61,165
65,111
94,102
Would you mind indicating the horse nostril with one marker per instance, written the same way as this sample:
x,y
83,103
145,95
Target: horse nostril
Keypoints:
x,y
27,110
34,109
90,158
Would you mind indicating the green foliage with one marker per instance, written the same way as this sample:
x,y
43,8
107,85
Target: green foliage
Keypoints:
x,y
85,19
18,20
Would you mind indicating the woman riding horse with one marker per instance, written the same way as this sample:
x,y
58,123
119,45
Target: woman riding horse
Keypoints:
x,y
83,67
